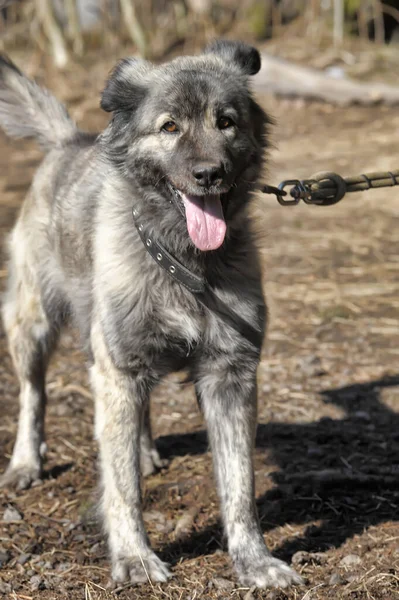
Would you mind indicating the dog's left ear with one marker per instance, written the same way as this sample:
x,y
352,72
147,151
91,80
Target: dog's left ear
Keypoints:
x,y
244,56
126,85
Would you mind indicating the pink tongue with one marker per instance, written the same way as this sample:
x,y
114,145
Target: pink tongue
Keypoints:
x,y
205,222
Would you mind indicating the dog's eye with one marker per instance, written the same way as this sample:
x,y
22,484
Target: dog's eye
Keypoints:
x,y
225,122
170,127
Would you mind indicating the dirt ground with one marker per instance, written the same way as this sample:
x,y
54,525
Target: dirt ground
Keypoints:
x,y
327,451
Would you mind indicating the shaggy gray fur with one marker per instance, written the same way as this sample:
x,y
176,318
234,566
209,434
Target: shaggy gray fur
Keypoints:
x,y
75,252
27,110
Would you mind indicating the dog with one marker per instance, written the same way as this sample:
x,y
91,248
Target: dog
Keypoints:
x,y
183,150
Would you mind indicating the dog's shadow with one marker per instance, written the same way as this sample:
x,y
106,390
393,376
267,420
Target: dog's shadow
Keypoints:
x,y
342,474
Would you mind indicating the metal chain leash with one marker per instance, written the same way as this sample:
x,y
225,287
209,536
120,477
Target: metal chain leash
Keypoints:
x,y
326,189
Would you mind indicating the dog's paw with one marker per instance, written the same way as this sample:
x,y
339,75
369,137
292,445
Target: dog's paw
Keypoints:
x,y
267,572
20,478
140,569
150,462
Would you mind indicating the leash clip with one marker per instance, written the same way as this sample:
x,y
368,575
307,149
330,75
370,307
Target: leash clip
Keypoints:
x,y
297,192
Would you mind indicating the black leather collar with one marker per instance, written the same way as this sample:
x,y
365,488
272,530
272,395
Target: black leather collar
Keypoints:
x,y
196,285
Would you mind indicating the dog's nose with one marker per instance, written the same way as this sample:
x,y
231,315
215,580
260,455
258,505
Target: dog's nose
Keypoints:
x,y
207,174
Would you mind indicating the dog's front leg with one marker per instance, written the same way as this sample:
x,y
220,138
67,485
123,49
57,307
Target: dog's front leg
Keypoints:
x,y
120,399
227,395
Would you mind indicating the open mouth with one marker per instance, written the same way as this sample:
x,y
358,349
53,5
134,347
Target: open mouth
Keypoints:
x,y
205,220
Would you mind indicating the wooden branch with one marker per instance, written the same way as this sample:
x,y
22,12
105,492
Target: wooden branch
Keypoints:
x,y
281,77
180,19
390,10
52,31
339,22
362,23
74,30
133,26
379,27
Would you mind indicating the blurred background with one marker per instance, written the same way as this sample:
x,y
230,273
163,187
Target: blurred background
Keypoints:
x,y
70,29
344,39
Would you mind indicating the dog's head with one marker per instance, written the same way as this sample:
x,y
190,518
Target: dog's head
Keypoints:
x,y
191,129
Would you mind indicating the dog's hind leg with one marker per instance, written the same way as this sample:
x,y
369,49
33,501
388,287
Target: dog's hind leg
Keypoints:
x,y
150,460
30,338
227,394
120,398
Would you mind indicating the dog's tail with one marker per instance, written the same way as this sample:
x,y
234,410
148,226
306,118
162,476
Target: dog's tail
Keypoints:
x,y
30,111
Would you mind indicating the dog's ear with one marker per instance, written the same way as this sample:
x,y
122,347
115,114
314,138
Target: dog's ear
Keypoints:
x,y
246,57
126,87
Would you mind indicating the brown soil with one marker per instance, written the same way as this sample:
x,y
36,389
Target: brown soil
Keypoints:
x,y
327,452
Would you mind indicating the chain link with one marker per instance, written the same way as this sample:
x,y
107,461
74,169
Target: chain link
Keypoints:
x,y
328,188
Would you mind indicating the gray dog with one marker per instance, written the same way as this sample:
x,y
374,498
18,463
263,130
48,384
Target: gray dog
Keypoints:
x,y
168,181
